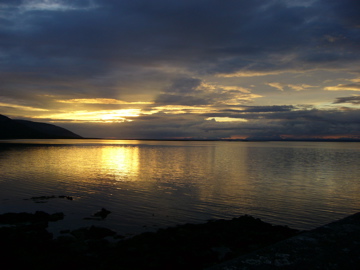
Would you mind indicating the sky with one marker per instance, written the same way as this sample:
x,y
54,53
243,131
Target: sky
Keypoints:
x,y
183,69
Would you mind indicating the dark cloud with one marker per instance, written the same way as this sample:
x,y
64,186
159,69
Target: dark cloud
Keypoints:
x,y
115,33
184,85
183,91
355,100
166,99
274,108
193,91
313,123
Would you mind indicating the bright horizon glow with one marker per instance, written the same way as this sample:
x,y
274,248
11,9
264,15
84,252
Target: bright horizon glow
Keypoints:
x,y
96,116
101,101
227,119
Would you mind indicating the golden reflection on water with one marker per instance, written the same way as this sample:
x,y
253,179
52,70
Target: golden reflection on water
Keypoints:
x,y
120,162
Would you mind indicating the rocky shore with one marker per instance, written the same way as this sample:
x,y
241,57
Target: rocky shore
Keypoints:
x,y
241,243
329,247
25,241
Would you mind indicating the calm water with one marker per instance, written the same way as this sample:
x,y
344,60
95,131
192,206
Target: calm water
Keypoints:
x,y
153,184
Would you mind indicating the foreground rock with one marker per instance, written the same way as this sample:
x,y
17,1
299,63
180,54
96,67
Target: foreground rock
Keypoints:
x,y
189,246
194,246
39,217
333,246
100,215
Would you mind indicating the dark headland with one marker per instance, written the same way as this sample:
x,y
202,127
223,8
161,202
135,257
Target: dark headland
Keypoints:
x,y
23,129
240,243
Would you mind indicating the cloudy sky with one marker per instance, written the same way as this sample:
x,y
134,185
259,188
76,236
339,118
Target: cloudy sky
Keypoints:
x,y
202,69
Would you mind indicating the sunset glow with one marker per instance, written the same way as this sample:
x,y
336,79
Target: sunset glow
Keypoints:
x,y
100,101
96,116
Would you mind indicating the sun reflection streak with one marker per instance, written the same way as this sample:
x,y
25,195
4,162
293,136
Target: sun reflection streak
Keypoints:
x,y
122,163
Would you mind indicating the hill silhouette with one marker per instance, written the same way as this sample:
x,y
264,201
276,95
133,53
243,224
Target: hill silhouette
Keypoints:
x,y
23,129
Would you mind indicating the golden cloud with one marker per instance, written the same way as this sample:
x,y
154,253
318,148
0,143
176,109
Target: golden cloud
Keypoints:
x,y
296,87
100,101
249,74
95,116
276,85
21,107
343,87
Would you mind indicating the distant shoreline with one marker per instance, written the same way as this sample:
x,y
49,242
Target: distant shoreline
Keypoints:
x,y
186,140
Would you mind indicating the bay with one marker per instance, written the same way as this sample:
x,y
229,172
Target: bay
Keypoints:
x,y
154,184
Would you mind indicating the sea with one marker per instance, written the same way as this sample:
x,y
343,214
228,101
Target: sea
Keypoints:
x,y
147,185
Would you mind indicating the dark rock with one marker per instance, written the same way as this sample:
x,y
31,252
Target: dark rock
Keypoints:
x,y
100,215
56,216
189,246
194,246
92,233
66,197
103,213
39,216
333,246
